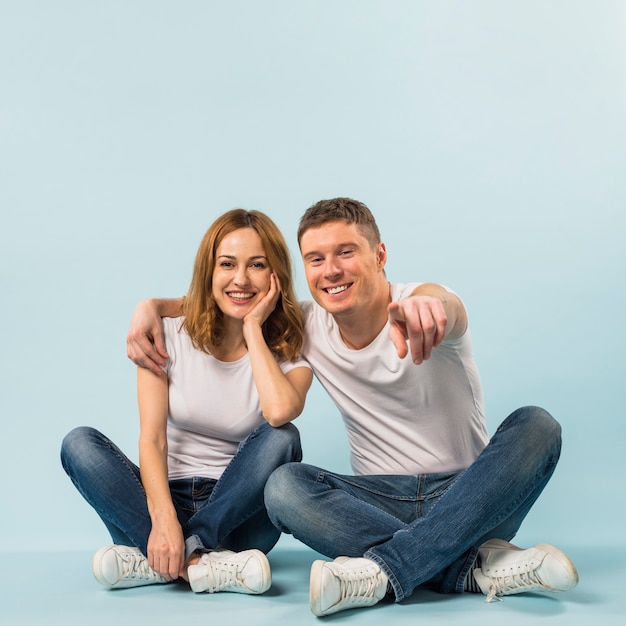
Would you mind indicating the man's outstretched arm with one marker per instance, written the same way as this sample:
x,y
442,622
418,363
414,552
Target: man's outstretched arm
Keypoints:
x,y
422,321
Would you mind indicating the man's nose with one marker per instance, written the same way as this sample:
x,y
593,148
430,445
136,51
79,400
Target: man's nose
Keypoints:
x,y
331,267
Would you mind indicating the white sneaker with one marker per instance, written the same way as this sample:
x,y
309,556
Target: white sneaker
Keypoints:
x,y
119,567
345,583
506,569
223,570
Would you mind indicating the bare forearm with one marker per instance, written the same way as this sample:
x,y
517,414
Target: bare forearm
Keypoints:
x,y
454,308
168,307
280,400
153,400
153,469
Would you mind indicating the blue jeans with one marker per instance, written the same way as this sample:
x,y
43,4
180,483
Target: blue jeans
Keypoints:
x,y
228,513
425,529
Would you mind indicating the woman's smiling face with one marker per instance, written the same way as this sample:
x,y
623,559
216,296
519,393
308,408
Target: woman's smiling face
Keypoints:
x,y
242,273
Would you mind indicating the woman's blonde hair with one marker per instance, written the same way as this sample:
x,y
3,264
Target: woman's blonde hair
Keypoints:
x,y
204,321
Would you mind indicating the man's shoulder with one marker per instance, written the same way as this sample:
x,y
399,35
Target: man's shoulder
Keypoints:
x,y
309,308
316,319
402,290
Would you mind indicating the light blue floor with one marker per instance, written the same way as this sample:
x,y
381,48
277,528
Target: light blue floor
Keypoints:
x,y
50,588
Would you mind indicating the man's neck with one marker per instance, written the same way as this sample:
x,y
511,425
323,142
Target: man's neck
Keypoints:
x,y
360,328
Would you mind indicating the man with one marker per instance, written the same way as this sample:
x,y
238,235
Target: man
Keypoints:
x,y
432,501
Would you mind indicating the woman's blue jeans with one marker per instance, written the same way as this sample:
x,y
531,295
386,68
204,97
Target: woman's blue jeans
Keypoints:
x,y
423,529
225,514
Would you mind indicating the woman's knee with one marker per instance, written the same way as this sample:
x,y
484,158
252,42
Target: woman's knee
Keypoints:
x,y
291,440
76,440
79,446
283,440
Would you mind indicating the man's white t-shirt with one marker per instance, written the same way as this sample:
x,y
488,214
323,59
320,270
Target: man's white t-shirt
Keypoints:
x,y
213,406
401,418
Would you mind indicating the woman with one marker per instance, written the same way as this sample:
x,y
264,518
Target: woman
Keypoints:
x,y
213,425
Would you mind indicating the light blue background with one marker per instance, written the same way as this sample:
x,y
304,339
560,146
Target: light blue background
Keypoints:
x,y
488,137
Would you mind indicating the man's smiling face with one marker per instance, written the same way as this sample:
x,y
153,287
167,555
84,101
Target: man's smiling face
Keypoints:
x,y
342,269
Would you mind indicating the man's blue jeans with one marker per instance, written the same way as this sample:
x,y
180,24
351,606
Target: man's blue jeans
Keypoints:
x,y
228,513
422,529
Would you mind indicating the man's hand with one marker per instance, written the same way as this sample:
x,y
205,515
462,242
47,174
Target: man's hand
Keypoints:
x,y
419,320
145,343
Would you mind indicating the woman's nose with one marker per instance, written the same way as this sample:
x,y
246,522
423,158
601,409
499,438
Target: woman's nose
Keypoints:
x,y
241,277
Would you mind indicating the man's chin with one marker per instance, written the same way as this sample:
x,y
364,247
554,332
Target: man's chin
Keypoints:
x,y
337,309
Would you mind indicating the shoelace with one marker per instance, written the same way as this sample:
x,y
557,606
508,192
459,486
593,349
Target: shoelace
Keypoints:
x,y
136,567
224,575
507,583
358,587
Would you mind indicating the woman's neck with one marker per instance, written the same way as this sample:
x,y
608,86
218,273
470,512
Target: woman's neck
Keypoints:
x,y
233,345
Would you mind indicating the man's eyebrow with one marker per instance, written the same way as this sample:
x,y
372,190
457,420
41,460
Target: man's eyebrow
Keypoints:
x,y
343,244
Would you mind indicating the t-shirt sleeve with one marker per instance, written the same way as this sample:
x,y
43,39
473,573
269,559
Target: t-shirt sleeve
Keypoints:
x,y
287,366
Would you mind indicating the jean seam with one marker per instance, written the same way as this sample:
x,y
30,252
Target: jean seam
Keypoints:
x,y
321,478
419,498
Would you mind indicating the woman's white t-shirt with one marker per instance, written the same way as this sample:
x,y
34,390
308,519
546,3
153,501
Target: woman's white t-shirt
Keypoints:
x,y
213,406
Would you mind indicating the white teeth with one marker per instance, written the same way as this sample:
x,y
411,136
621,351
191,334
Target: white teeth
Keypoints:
x,y
334,290
241,296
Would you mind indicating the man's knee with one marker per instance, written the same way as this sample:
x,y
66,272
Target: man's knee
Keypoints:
x,y
538,430
281,493
279,485
541,424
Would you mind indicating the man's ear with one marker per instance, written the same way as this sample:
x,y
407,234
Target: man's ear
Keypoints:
x,y
381,255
